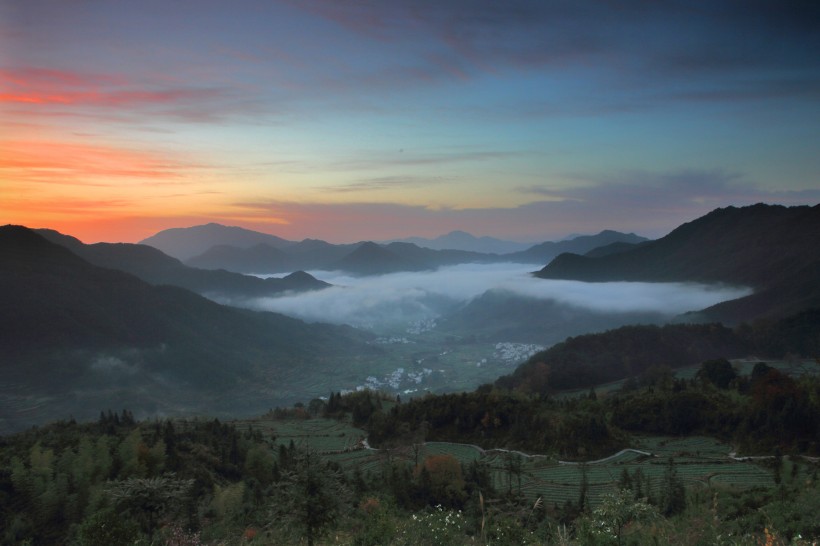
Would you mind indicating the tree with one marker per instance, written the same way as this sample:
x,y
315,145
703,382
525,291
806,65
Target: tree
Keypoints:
x,y
616,511
147,499
582,489
673,494
446,480
718,372
311,494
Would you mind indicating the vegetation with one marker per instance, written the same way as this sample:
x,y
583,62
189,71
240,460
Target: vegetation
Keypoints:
x,y
306,475
643,351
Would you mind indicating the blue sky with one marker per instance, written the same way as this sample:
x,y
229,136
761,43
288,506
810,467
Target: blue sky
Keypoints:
x,y
371,120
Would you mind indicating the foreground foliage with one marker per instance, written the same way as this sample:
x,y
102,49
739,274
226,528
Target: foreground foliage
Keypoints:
x,y
206,482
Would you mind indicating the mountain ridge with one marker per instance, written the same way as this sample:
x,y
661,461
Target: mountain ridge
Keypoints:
x,y
73,327
770,248
259,254
157,268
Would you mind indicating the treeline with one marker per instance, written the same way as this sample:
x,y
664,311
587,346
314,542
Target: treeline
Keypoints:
x,y
763,412
593,359
574,428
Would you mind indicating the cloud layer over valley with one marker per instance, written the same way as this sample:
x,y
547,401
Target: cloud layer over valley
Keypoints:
x,y
396,300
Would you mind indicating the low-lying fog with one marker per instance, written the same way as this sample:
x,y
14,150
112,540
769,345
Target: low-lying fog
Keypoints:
x,y
400,298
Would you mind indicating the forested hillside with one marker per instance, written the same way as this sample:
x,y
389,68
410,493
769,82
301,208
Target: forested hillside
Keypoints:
x,y
630,351
75,333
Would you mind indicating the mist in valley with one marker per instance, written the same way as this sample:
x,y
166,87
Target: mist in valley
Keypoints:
x,y
400,300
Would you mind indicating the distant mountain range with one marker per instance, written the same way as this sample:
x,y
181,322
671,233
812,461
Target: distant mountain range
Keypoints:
x,y
461,240
244,251
87,327
771,248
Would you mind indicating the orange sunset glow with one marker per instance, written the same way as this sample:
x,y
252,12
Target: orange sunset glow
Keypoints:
x,y
318,122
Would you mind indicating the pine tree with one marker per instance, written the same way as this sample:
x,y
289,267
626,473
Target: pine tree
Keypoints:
x,y
673,494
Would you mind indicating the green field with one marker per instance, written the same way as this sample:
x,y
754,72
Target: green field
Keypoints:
x,y
699,461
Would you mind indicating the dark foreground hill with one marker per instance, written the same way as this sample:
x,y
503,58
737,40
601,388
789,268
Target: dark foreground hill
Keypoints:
x,y
773,249
633,351
155,267
82,336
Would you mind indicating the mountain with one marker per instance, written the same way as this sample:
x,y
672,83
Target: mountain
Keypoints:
x,y
771,248
501,316
185,243
372,259
614,248
154,267
260,258
461,240
438,258
265,259
78,338
314,254
214,246
581,244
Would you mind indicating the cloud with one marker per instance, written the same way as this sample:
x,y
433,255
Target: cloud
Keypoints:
x,y
395,300
654,192
708,50
385,183
627,297
66,93
68,163
663,200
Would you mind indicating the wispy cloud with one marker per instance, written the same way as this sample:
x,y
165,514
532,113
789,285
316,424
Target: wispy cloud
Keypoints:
x,y
66,93
385,183
72,163
703,47
645,202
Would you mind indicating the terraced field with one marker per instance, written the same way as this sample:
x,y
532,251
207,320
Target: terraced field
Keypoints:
x,y
326,436
699,461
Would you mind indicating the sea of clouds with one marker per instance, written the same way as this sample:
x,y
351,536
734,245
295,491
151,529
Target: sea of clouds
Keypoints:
x,y
400,298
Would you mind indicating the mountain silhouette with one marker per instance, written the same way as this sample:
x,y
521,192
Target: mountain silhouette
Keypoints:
x,y
70,326
185,243
580,244
155,267
372,259
771,248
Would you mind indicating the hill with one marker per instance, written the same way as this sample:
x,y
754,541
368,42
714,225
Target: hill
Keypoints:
x,y
631,351
773,249
85,337
582,244
185,243
372,259
155,267
461,240
260,258
500,315
266,259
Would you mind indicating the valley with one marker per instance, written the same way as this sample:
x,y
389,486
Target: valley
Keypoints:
x,y
492,401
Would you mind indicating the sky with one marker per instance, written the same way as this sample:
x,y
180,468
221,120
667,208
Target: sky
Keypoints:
x,y
356,120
